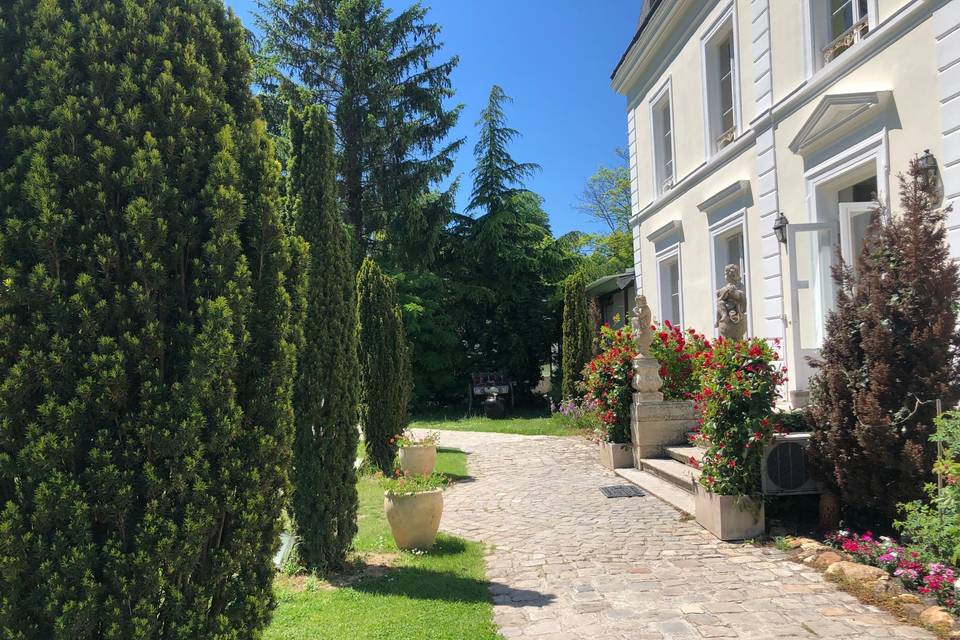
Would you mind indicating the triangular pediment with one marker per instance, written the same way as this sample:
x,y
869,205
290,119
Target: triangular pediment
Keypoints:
x,y
837,114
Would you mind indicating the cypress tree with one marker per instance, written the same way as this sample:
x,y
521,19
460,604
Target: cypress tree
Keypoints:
x,y
384,364
575,346
324,495
145,356
891,350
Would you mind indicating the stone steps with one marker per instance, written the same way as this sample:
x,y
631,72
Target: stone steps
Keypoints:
x,y
678,473
663,489
683,454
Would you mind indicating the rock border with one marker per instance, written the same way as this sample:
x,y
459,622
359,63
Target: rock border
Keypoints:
x,y
874,585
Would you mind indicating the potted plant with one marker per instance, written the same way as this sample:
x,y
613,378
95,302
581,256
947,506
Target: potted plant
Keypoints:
x,y
608,392
413,505
418,456
740,384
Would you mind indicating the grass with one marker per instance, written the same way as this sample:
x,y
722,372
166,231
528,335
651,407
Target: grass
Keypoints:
x,y
438,595
519,421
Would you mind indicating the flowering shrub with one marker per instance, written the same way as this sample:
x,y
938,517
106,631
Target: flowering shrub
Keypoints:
x,y
934,524
935,579
581,414
739,388
407,439
677,352
607,383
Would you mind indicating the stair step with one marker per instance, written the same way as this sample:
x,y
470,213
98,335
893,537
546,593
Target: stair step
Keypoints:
x,y
683,454
682,475
656,486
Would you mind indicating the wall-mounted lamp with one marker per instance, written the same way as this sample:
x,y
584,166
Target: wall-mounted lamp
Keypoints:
x,y
780,228
929,164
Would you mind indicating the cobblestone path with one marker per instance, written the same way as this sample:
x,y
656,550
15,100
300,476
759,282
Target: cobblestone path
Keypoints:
x,y
567,563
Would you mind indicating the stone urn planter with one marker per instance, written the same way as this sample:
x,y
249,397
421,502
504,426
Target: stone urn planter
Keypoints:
x,y
418,459
414,517
615,455
729,517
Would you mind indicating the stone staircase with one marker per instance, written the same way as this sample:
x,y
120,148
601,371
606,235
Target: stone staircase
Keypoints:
x,y
670,476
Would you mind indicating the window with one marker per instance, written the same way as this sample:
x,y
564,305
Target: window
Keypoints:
x,y
663,157
720,79
668,280
837,25
729,247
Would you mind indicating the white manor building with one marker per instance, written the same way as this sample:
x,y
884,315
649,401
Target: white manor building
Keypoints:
x,y
743,113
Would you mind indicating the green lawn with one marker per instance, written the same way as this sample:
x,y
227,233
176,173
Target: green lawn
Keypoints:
x,y
529,423
440,595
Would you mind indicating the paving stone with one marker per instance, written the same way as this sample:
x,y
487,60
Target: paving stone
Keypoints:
x,y
569,564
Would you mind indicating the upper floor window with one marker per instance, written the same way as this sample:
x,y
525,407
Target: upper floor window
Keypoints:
x,y
663,149
720,76
837,25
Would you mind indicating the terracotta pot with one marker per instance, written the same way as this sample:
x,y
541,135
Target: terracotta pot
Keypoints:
x,y
418,460
616,456
729,517
414,518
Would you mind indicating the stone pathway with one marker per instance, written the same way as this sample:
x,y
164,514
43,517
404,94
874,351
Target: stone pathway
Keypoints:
x,y
567,563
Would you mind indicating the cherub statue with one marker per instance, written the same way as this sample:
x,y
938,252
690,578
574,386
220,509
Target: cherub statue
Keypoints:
x,y
640,323
732,305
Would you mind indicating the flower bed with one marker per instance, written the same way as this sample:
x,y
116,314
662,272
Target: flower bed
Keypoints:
x,y
935,579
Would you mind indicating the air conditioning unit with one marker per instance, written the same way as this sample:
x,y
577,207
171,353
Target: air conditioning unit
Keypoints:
x,y
785,470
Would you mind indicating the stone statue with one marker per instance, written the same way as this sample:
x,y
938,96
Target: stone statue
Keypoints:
x,y
646,369
732,305
640,323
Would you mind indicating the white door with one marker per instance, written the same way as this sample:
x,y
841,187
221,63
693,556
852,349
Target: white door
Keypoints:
x,y
854,220
812,248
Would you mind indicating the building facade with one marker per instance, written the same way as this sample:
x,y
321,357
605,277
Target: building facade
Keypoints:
x,y
762,133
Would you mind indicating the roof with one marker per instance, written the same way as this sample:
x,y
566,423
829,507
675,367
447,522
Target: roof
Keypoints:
x,y
646,13
609,284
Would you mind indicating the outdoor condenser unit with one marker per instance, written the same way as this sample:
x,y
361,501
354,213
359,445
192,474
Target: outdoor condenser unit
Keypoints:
x,y
785,470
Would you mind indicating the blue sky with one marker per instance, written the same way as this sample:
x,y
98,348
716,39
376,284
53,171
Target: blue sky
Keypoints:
x,y
554,58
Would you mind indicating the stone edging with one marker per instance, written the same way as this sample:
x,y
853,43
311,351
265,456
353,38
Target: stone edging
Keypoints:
x,y
869,582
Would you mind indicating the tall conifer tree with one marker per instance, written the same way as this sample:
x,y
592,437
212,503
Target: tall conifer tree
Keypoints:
x,y
892,349
145,357
575,345
385,90
384,365
325,401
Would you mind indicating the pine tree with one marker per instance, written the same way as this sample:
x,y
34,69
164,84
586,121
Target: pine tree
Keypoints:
x,y
384,365
575,346
379,76
891,350
515,316
145,356
324,495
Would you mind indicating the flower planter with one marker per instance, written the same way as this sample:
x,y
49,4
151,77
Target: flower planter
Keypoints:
x,y
418,459
729,517
616,456
414,518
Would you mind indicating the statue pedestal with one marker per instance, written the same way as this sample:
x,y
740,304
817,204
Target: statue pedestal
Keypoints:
x,y
659,424
646,380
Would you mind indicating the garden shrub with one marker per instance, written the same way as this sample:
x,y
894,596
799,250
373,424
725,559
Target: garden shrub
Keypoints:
x,y
934,524
575,346
677,352
891,349
607,383
740,385
145,352
385,379
324,498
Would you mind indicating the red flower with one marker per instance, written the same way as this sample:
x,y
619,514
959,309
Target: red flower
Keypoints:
x,y
732,464
746,393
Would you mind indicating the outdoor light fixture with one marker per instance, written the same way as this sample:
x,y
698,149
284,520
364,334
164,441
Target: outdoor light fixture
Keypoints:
x,y
780,228
929,164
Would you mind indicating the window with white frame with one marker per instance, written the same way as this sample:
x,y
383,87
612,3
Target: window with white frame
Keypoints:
x,y
837,25
669,286
720,76
729,247
662,121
